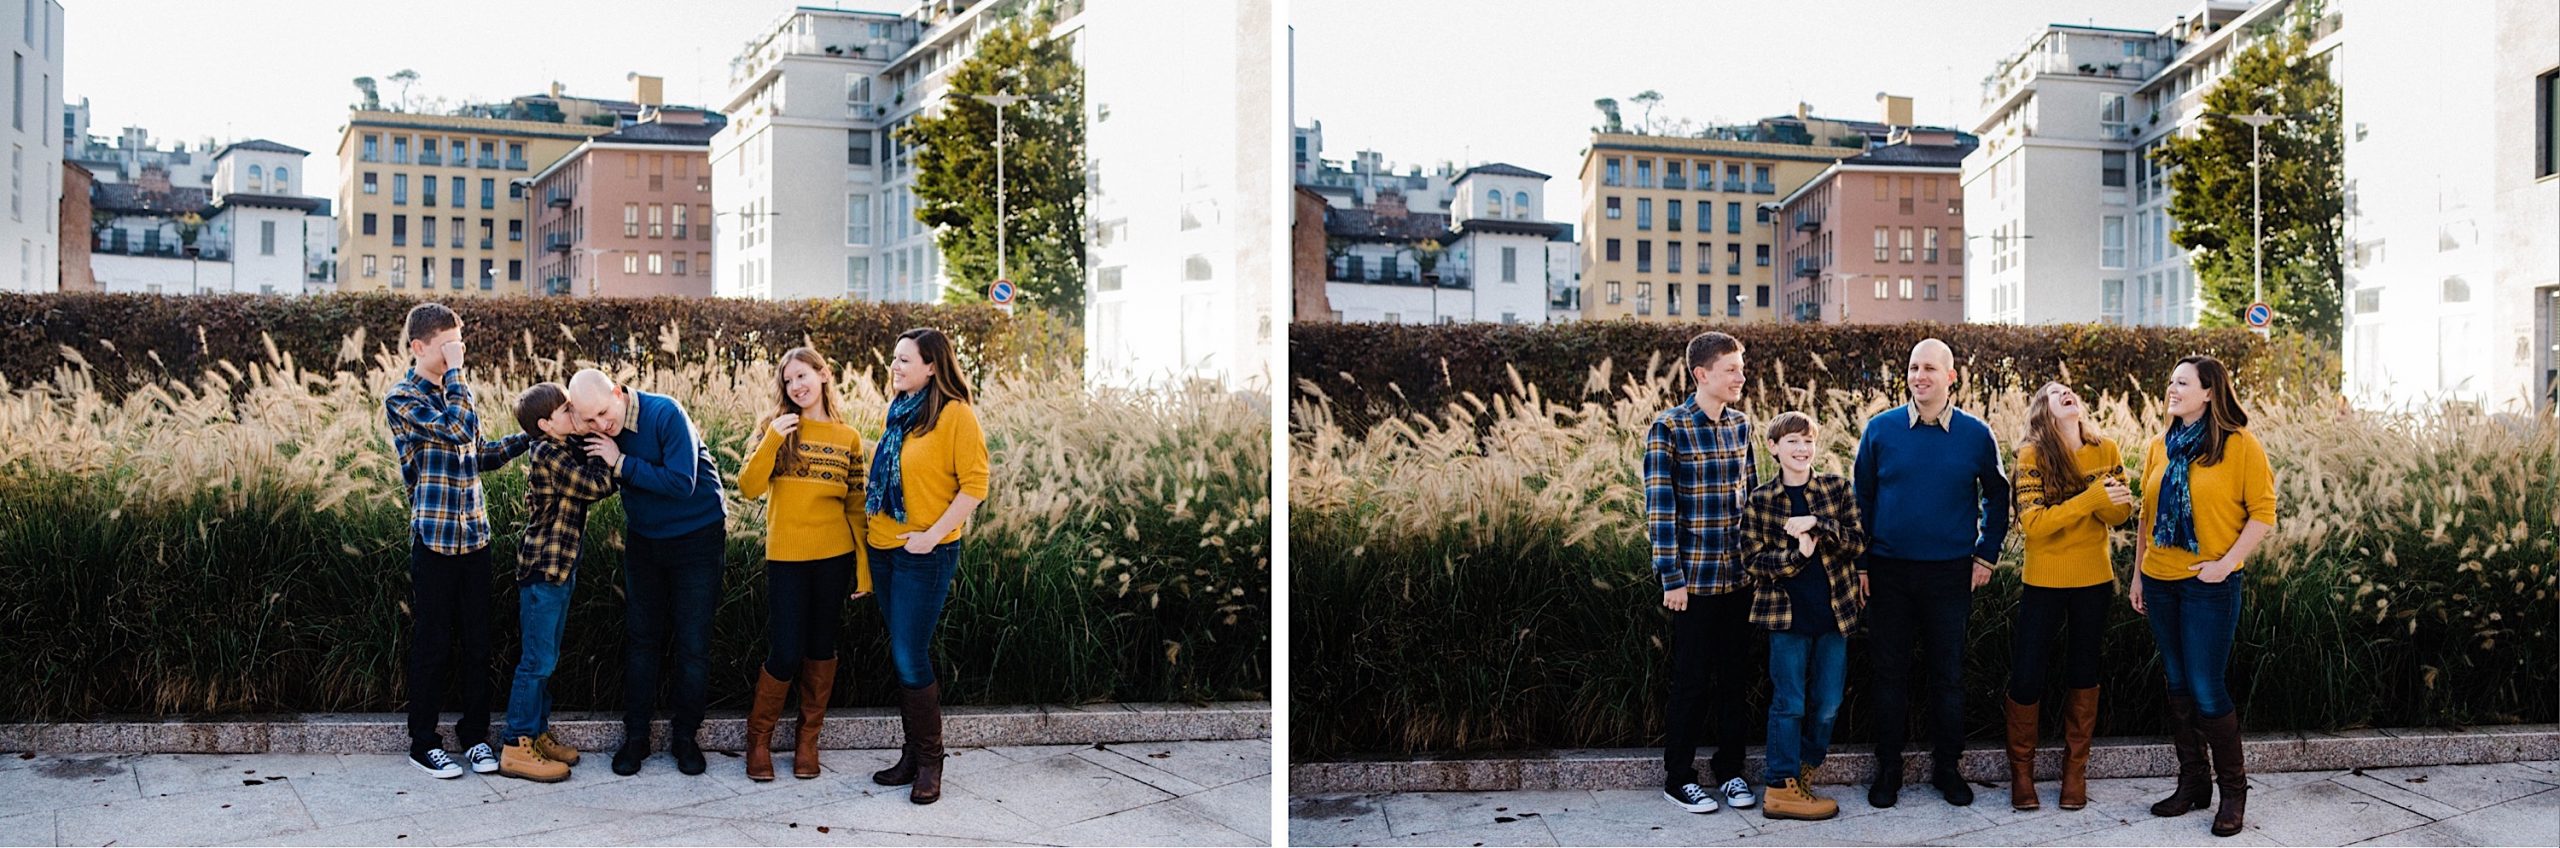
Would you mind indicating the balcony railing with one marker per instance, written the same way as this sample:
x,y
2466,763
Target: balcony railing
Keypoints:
x,y
519,165
430,159
1764,188
1675,182
1733,185
1733,269
487,243
1807,221
558,200
556,242
1807,266
490,162
1733,226
555,285
428,200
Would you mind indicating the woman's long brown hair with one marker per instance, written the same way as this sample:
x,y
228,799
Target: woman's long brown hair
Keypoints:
x,y
2054,460
2222,413
788,459
947,383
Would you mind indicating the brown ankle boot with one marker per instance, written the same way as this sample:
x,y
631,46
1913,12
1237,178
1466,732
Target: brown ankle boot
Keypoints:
x,y
928,741
2022,754
2230,772
2079,720
761,716
2195,774
817,682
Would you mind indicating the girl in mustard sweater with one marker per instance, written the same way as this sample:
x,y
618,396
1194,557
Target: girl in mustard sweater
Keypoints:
x,y
2070,489
2208,499
809,465
929,474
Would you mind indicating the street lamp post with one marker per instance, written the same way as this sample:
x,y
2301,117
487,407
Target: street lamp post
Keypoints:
x,y
1000,101
2257,207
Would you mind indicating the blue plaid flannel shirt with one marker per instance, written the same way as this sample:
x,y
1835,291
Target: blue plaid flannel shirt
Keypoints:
x,y
437,435
1697,476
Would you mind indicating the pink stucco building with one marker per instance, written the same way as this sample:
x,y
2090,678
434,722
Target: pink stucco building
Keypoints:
x,y
1879,237
628,213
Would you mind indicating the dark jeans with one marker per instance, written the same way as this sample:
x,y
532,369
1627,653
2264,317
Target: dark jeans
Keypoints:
x,y
911,590
448,600
2193,622
1712,670
804,606
670,587
2041,614
1925,603
1806,674
542,612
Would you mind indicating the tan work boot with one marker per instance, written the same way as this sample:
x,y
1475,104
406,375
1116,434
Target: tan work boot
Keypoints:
x,y
522,761
1793,799
555,750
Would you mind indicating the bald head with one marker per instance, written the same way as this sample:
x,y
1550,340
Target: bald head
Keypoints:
x,y
1932,371
596,401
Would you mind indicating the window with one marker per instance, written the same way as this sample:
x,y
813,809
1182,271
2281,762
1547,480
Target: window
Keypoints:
x,y
2111,301
702,265
399,230
1520,205
857,219
399,271
515,229
1644,173
1609,209
1511,264
399,189
515,155
657,221
1760,179
1928,288
266,238
857,89
488,194
1881,285
657,264
1762,252
488,274
2547,96
1760,214
1644,213
1761,297
399,150
1644,256
631,220
427,229
1611,177
1706,257
427,189
366,262
1904,235
630,263
1492,204
426,272
1672,209
1733,217
372,148
1906,288
1613,292
458,195
2111,241
1733,300
1612,251
372,183
457,276
1672,261
1671,175
1196,267
2111,169
1644,298
257,178
2111,108
1884,187
857,147
1929,244
1955,288
515,270
1671,299
457,232
368,223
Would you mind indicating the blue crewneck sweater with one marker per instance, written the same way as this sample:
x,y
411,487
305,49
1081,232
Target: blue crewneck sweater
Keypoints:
x,y
670,486
1931,493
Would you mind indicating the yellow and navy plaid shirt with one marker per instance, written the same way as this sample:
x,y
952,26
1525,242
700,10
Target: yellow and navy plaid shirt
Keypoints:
x,y
1770,554
437,436
561,481
1696,473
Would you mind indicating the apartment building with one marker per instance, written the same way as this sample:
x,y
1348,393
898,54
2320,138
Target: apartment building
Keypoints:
x,y
1879,237
627,213
435,203
33,224
1681,229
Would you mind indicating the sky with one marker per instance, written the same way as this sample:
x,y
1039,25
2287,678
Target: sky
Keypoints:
x,y
282,69
1512,81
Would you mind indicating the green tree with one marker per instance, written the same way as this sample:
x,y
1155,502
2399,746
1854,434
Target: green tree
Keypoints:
x,y
955,162
2304,195
1609,122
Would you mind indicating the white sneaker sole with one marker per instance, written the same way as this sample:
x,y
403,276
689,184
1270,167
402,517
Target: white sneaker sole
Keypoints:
x,y
440,774
1707,807
1744,804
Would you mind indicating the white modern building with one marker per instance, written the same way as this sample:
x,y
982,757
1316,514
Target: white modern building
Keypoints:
x,y
121,160
2452,179
246,234
34,41
1490,257
1183,188
2066,217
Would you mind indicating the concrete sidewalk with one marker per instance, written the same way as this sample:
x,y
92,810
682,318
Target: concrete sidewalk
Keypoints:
x,y
2493,804
1139,793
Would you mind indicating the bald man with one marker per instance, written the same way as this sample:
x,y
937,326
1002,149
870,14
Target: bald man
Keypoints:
x,y
1936,501
675,543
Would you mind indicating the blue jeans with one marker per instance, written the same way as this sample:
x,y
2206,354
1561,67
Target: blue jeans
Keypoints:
x,y
2194,622
670,588
911,590
1806,672
542,612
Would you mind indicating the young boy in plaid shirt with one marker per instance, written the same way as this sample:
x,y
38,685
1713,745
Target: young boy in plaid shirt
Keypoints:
x,y
437,436
561,482
1697,469
1801,544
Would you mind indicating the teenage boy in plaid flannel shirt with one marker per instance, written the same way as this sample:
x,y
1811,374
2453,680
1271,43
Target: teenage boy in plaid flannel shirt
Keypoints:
x,y
1697,471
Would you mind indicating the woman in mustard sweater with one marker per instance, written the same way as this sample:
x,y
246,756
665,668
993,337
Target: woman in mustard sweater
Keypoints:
x,y
2070,489
809,465
2208,499
929,474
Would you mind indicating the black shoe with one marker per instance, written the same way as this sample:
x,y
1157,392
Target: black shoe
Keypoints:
x,y
626,760
1952,785
688,754
1887,787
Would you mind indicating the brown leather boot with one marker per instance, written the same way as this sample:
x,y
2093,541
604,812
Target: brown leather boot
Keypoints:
x,y
2079,720
928,741
2195,775
2022,754
903,771
2222,736
817,682
761,716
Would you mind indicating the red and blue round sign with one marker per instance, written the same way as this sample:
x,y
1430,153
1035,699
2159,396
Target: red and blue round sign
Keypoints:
x,y
2260,315
1001,293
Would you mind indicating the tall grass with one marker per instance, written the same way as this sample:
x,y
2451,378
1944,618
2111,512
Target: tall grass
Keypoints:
x,y
1476,576
238,543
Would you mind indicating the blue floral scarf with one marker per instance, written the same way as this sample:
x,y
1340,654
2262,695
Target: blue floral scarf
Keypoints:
x,y
2175,526
887,496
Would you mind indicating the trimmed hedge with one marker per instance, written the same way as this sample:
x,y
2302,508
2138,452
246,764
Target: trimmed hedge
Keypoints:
x,y
1374,370
120,333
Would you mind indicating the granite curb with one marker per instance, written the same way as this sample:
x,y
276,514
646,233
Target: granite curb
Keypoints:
x,y
1637,768
872,727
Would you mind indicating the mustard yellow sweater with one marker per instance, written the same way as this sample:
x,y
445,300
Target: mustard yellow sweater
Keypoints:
x,y
2066,538
815,509
2227,496
934,469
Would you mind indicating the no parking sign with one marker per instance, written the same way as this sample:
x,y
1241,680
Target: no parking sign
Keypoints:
x,y
1001,294
2260,315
